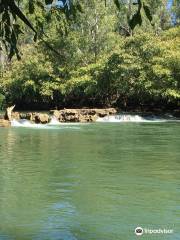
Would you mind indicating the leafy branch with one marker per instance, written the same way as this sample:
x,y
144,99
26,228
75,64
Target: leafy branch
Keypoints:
x,y
10,11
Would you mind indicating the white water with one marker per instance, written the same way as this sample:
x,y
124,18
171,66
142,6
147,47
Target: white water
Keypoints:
x,y
26,123
55,124
132,118
54,121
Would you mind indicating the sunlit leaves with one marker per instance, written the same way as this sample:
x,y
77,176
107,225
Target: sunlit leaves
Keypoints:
x,y
143,69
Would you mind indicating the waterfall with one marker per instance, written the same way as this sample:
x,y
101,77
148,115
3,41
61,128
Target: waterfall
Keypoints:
x,y
53,124
119,118
133,118
54,121
25,123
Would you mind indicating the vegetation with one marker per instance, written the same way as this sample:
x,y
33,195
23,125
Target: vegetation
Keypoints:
x,y
97,58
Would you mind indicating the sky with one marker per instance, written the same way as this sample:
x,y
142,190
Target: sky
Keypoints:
x,y
60,3
170,3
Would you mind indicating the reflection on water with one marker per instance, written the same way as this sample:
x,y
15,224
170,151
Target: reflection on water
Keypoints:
x,y
97,182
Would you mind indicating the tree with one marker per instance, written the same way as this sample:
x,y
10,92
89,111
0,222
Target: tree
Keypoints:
x,y
145,70
11,13
87,61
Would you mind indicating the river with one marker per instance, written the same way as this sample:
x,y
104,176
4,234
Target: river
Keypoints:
x,y
90,181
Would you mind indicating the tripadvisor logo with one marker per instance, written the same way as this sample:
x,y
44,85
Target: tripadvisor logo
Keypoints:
x,y
139,231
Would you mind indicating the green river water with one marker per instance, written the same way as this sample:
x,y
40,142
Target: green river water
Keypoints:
x,y
90,182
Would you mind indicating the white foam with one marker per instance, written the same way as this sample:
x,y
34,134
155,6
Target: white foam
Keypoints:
x,y
121,118
54,124
26,123
54,121
132,118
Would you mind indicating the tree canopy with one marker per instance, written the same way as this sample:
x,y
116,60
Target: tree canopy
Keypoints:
x,y
11,11
93,57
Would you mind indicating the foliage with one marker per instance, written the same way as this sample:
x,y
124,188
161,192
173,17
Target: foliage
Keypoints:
x,y
95,59
2,101
145,69
11,13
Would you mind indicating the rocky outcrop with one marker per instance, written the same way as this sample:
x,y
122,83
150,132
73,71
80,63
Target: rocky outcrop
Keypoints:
x,y
82,115
15,115
28,116
65,115
41,118
4,123
36,117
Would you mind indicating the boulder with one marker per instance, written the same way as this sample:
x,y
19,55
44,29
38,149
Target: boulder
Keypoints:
x,y
27,116
42,118
69,115
15,115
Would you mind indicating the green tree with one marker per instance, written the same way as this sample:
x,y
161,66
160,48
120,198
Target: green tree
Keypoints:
x,y
11,13
144,70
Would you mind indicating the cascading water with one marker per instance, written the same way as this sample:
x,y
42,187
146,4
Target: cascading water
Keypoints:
x,y
53,124
133,118
26,123
54,121
120,118
21,123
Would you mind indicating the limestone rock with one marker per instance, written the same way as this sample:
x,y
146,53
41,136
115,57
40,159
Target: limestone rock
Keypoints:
x,y
66,115
8,114
4,123
82,115
56,113
27,116
42,118
15,115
